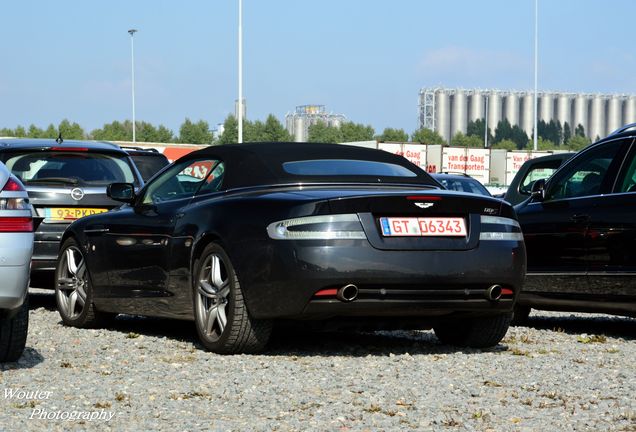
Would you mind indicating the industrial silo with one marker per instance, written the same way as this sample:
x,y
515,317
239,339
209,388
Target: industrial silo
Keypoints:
x,y
597,113
546,107
299,129
476,111
494,109
527,113
581,102
614,114
511,104
459,113
564,109
442,114
629,110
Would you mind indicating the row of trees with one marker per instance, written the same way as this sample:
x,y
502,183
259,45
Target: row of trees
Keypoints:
x,y
506,136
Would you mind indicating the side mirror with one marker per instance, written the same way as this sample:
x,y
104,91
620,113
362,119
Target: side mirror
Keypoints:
x,y
124,192
538,190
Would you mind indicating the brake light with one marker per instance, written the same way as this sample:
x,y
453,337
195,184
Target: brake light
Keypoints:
x,y
13,185
81,149
327,227
16,224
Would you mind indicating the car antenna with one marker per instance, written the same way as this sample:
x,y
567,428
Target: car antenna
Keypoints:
x,y
59,139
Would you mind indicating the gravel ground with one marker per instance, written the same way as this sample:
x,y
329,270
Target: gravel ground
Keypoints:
x,y
562,372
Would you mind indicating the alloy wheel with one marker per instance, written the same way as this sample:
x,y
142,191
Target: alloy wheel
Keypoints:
x,y
72,283
212,291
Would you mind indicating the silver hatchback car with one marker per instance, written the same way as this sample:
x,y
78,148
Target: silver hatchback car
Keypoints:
x,y
16,247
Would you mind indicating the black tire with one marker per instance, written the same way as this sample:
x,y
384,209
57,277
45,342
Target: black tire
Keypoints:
x,y
67,281
476,332
240,333
13,334
520,315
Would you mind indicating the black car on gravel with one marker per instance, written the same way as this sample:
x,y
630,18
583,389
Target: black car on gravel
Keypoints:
x,y
65,180
235,237
580,231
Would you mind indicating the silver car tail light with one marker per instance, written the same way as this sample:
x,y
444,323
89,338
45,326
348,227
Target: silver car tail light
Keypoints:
x,y
500,228
327,227
15,222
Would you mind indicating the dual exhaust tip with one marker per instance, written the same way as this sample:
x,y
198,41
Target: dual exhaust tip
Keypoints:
x,y
349,293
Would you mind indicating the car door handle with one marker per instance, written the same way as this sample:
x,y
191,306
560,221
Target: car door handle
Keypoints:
x,y
580,218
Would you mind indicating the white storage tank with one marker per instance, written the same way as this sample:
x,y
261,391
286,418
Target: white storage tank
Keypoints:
x,y
511,103
442,114
614,114
581,103
476,107
494,110
459,113
527,113
546,107
564,110
629,110
597,113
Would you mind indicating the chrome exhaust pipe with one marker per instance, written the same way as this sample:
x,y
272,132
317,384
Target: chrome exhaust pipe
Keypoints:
x,y
347,293
494,292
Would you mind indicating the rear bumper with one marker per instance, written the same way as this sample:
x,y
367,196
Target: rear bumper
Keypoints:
x,y
15,265
47,245
282,282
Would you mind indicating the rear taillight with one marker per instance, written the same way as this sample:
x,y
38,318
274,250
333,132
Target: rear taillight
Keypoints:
x,y
327,227
16,224
12,185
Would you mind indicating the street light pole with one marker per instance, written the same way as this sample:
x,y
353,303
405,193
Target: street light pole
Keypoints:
x,y
536,51
486,125
132,58
240,72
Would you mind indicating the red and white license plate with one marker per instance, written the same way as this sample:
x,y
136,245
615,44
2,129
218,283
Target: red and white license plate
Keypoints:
x,y
423,227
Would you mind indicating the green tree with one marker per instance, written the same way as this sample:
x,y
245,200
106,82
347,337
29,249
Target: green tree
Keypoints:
x,y
6,132
356,132
164,135
506,145
567,133
274,131
477,127
544,144
195,133
579,131
20,132
115,131
321,132
71,130
503,131
427,136
461,140
395,135
35,132
50,132
519,137
230,131
578,142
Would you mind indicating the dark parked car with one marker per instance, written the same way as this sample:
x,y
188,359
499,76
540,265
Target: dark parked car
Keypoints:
x,y
580,232
147,160
531,171
461,183
65,181
236,236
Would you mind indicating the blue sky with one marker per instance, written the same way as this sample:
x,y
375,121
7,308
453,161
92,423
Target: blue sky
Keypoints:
x,y
366,59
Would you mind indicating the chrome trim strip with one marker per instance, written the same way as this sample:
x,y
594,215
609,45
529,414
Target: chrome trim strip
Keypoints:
x,y
507,236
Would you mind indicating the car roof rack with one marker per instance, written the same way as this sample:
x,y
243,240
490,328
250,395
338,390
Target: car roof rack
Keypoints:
x,y
623,129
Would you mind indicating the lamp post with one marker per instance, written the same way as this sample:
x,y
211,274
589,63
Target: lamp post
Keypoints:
x,y
240,72
536,50
132,58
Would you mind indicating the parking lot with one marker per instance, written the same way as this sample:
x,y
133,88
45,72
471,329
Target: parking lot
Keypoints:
x,y
562,372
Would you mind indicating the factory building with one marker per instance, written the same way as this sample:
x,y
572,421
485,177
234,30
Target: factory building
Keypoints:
x,y
448,111
298,122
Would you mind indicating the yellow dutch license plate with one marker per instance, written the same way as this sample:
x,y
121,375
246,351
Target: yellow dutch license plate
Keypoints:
x,y
70,213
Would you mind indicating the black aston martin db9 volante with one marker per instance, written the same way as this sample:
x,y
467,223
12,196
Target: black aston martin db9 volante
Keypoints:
x,y
237,236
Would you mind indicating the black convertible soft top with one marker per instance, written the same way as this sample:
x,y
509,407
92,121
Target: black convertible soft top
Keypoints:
x,y
255,164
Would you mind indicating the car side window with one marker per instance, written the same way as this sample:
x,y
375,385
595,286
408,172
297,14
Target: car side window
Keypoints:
x,y
586,174
627,183
214,180
537,172
181,180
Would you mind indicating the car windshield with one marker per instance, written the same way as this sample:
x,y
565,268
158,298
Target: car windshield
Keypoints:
x,y
463,185
344,167
66,167
149,165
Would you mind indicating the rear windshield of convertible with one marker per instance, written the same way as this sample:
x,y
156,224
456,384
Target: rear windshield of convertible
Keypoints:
x,y
346,167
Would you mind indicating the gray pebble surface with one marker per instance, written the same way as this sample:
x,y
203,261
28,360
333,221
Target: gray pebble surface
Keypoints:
x,y
563,371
